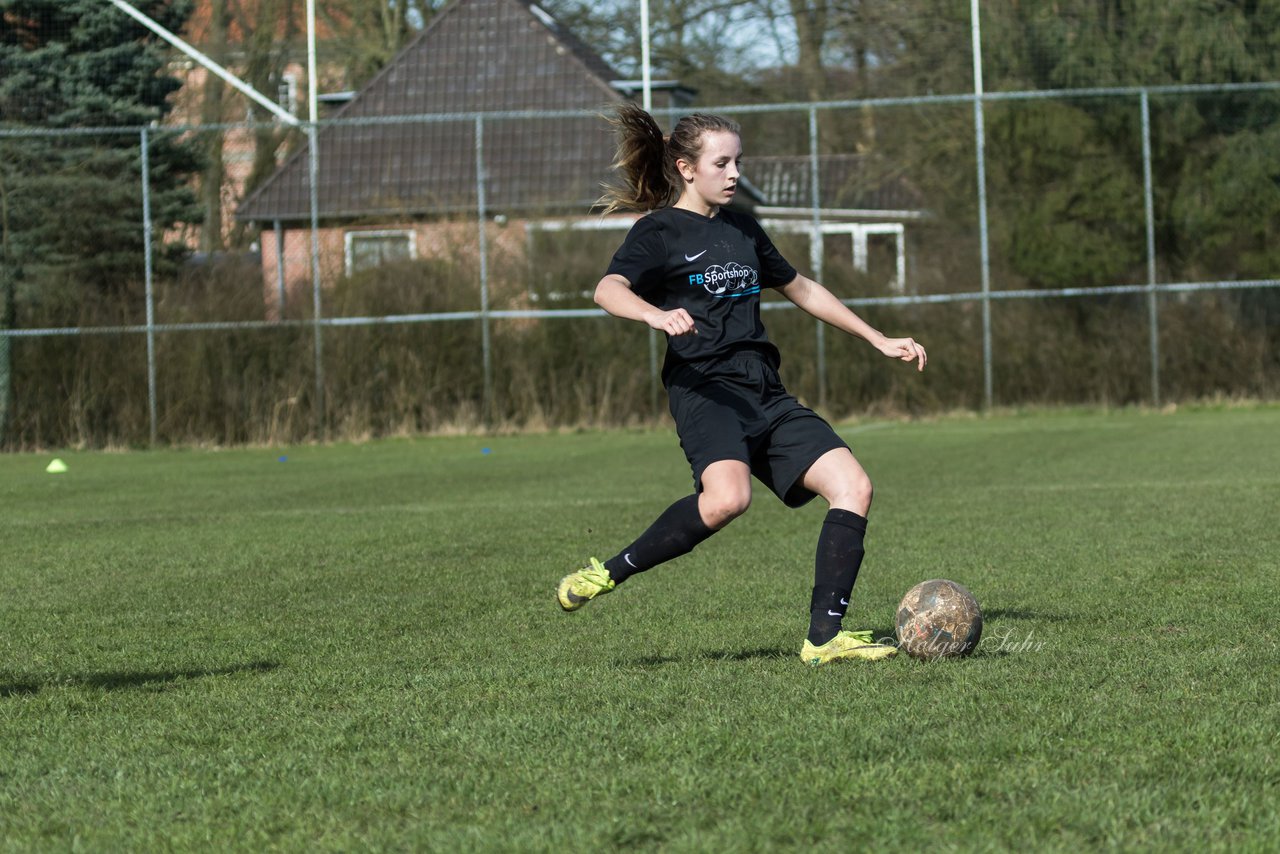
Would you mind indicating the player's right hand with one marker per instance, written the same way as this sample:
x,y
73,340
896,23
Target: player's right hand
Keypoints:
x,y
677,322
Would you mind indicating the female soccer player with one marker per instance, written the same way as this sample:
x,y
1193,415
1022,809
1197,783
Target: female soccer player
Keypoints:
x,y
694,269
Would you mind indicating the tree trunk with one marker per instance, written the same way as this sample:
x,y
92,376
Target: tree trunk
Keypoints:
x,y
273,30
211,239
810,17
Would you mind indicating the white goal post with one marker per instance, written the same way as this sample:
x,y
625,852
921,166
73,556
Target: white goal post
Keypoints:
x,y
258,98
313,160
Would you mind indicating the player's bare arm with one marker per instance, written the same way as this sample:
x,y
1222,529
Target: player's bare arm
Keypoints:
x,y
816,300
615,296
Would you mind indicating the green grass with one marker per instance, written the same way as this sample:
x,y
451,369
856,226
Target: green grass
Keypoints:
x,y
357,648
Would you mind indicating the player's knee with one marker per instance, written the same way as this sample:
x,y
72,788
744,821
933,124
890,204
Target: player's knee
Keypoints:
x,y
855,493
722,507
863,490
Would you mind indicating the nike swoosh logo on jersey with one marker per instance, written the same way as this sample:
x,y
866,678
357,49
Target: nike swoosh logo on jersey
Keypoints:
x,y
695,257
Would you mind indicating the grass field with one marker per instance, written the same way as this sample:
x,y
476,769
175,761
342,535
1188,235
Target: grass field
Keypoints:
x,y
356,647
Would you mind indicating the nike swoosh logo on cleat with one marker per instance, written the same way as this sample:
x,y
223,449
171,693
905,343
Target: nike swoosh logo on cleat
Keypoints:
x,y
695,257
834,614
844,601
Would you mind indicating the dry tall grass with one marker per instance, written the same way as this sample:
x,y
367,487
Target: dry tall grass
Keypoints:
x,y
258,386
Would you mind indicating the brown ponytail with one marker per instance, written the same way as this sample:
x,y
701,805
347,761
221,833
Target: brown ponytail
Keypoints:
x,y
647,160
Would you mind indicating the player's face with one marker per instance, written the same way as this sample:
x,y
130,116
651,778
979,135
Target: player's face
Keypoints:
x,y
714,179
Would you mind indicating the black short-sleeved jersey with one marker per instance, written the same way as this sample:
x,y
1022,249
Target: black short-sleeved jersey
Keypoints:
x,y
713,267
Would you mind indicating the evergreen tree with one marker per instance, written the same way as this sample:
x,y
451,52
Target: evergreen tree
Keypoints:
x,y
72,201
71,223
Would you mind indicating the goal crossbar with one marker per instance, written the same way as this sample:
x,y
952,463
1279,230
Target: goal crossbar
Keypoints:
x,y
207,61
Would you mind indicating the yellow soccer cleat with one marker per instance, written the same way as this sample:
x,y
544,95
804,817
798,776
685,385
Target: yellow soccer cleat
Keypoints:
x,y
578,588
846,646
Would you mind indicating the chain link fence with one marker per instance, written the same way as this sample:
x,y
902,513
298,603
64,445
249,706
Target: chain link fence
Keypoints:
x,y
1103,246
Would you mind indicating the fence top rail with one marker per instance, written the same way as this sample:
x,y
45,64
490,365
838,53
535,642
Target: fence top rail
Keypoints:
x,y
11,131
525,314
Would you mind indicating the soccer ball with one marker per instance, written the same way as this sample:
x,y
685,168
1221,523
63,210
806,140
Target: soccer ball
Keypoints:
x,y
938,619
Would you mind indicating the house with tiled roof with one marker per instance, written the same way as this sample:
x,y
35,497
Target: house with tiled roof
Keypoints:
x,y
385,183
398,163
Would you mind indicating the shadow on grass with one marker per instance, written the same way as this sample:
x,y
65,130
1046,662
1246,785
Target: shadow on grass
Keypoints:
x,y
882,635
997,642
123,681
1020,614
9,689
710,655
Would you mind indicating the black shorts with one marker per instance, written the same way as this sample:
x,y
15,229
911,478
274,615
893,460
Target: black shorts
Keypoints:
x,y
737,409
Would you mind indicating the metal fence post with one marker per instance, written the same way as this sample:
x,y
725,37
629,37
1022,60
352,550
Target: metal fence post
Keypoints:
x,y
278,229
1153,316
979,132
313,167
481,206
815,253
148,283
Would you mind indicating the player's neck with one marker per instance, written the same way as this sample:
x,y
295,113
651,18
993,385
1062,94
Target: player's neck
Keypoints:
x,y
689,202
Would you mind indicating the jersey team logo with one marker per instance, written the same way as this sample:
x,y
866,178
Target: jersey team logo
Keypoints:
x,y
731,280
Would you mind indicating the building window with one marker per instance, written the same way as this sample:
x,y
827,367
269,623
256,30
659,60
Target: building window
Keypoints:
x,y
368,249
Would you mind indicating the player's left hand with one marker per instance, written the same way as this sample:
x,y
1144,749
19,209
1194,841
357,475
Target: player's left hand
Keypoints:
x,y
906,349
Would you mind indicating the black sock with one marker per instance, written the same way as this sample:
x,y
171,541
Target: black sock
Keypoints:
x,y
676,532
834,573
